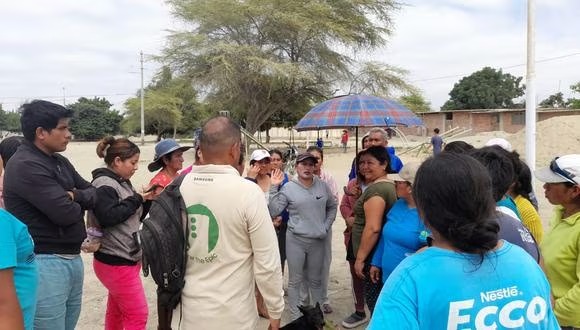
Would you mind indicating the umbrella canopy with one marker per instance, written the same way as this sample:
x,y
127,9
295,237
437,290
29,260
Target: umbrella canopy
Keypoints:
x,y
357,111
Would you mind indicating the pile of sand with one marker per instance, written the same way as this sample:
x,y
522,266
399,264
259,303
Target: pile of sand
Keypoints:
x,y
554,137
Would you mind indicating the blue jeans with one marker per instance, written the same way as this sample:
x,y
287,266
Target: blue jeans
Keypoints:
x,y
60,290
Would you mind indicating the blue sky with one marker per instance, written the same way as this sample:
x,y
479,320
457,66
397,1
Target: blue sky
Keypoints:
x,y
72,48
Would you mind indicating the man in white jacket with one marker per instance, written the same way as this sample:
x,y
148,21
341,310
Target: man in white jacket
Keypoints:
x,y
232,242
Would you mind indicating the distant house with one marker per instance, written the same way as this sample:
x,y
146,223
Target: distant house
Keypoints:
x,y
507,120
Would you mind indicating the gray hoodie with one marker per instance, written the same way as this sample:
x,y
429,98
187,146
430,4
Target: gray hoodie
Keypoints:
x,y
312,210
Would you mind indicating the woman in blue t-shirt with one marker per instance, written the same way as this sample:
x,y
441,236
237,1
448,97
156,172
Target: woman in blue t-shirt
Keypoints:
x,y
468,279
403,233
18,274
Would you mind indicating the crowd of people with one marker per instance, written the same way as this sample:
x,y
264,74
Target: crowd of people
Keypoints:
x,y
453,242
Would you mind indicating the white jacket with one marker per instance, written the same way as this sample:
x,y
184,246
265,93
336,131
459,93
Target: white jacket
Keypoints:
x,y
232,245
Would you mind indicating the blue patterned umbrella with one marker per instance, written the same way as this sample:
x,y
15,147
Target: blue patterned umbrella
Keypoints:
x,y
357,111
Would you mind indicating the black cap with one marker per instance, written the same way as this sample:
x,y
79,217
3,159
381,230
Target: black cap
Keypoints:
x,y
304,156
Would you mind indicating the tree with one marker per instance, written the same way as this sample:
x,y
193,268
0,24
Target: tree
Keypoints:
x,y
181,87
379,79
181,113
554,101
93,119
162,113
574,103
415,102
256,58
485,89
2,118
12,121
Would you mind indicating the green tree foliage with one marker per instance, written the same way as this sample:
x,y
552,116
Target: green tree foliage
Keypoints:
x,y
574,103
2,118
379,79
192,112
93,119
183,112
12,121
554,101
485,89
162,113
256,58
415,102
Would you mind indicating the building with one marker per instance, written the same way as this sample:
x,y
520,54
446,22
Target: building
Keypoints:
x,y
507,120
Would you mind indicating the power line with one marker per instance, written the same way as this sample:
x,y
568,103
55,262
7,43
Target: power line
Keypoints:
x,y
504,67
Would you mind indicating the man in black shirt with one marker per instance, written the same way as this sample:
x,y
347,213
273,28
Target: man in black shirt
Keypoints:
x,y
43,190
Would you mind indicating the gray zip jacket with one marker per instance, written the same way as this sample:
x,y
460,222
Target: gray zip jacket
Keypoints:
x,y
118,213
312,209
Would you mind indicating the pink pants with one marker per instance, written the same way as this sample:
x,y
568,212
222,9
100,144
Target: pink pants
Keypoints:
x,y
126,304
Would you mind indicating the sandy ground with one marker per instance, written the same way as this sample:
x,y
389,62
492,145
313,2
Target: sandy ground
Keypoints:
x,y
83,156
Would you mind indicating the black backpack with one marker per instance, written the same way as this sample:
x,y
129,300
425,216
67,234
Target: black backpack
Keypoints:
x,y
163,240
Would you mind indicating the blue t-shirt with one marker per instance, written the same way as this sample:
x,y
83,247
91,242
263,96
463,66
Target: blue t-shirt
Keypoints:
x,y
443,289
17,253
508,202
437,143
403,234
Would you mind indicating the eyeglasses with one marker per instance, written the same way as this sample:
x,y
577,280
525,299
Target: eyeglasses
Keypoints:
x,y
565,174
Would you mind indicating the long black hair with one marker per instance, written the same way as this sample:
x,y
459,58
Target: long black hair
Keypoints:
x,y
453,195
500,167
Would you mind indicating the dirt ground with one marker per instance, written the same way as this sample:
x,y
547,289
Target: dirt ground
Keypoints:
x,y
83,156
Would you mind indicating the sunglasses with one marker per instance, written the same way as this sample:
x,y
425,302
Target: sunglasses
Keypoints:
x,y
563,173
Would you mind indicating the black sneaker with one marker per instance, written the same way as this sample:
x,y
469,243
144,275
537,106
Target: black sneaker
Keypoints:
x,y
354,320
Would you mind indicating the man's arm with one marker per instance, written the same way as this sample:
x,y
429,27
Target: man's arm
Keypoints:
x,y
84,193
10,312
267,266
34,183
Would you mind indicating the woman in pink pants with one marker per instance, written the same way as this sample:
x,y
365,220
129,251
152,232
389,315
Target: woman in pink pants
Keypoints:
x,y
118,214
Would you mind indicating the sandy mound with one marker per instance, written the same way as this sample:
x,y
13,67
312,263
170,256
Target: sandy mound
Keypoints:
x,y
554,137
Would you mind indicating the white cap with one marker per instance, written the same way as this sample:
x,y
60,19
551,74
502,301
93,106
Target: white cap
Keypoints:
x,y
259,154
407,172
505,144
561,169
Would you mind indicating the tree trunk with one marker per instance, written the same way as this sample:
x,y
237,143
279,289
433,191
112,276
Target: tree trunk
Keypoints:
x,y
268,135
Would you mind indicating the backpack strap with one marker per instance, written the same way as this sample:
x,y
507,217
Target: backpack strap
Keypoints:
x,y
164,312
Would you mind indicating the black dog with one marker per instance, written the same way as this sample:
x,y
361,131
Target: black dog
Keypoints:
x,y
311,319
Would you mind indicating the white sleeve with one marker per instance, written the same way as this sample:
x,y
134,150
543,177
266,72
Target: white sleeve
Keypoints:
x,y
267,266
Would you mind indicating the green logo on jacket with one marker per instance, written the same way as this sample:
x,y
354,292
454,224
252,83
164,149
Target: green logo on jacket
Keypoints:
x,y
202,220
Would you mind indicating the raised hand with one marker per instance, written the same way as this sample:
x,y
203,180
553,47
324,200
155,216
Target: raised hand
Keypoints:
x,y
277,177
253,171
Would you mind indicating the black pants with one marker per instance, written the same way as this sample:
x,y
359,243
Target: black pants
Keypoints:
x,y
281,234
372,290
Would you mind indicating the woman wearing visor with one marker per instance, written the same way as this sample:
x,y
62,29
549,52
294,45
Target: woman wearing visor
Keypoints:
x,y
561,245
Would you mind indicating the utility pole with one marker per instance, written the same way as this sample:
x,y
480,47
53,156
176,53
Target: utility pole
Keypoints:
x,y
63,98
531,88
142,105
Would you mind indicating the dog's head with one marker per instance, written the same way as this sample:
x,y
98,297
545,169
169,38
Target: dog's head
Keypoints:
x,y
313,315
